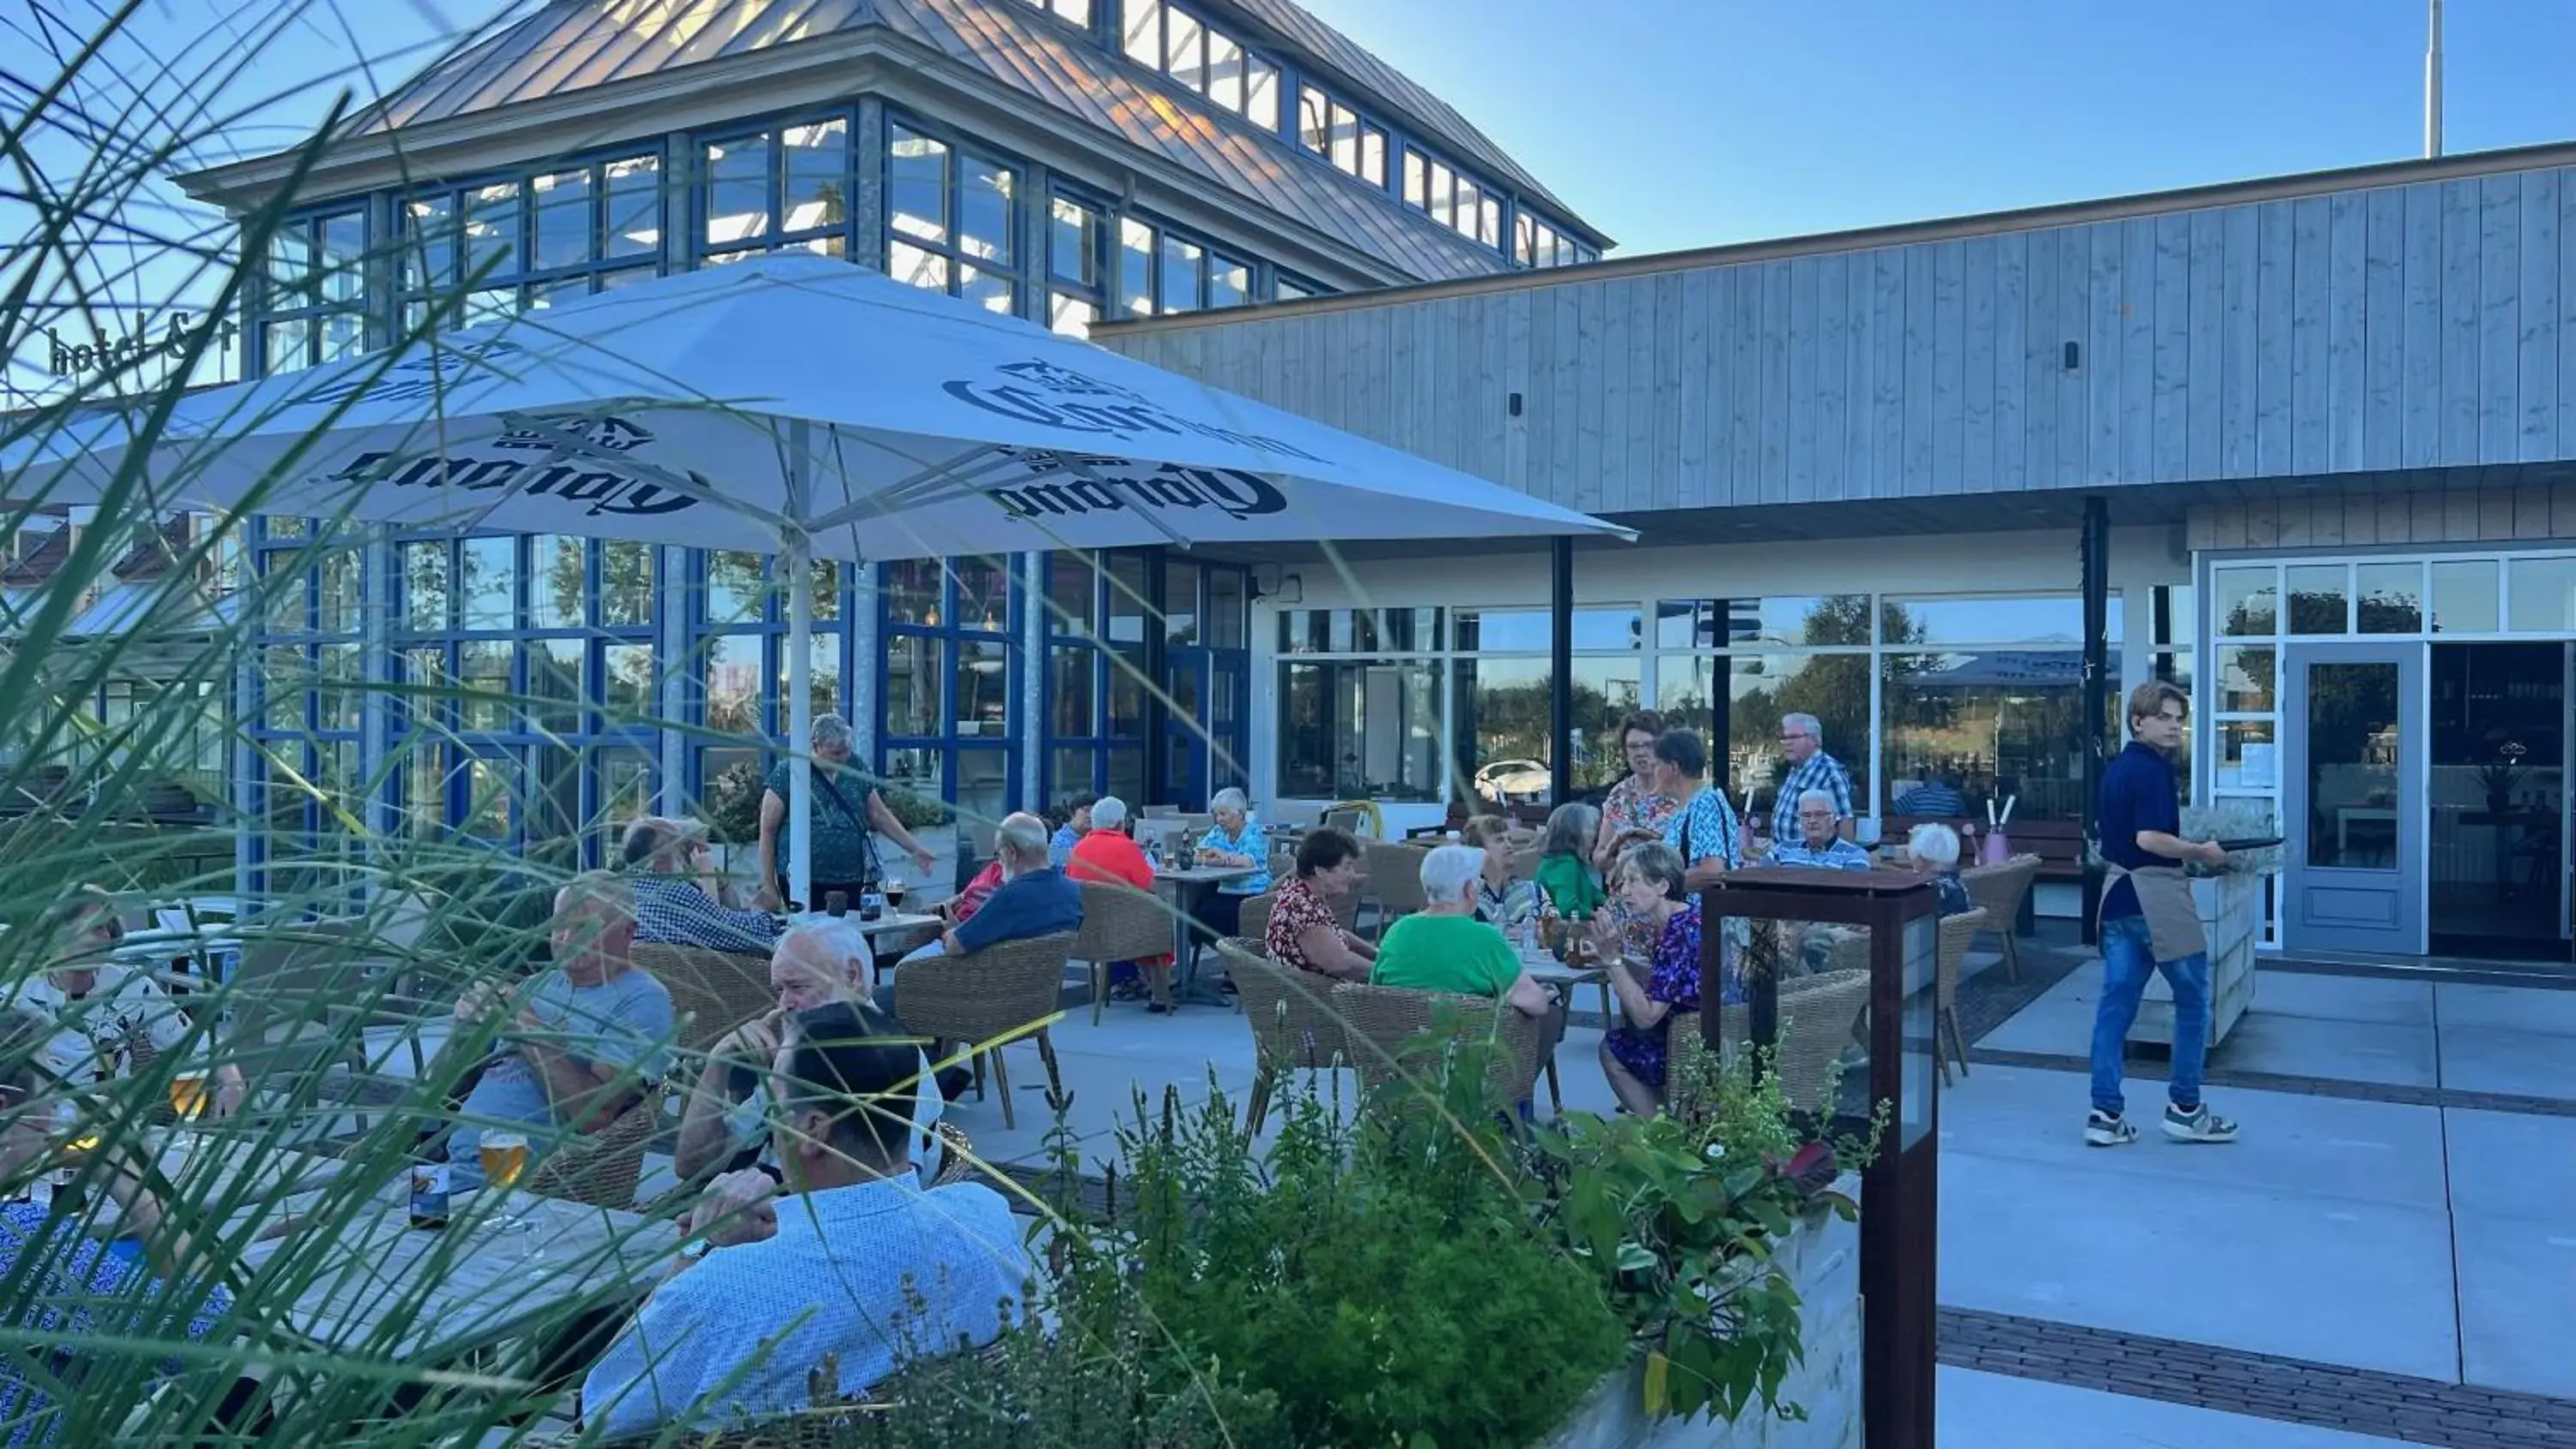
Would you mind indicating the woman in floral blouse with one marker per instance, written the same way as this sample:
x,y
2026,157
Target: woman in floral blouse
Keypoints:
x,y
1632,1054
1304,932
1634,804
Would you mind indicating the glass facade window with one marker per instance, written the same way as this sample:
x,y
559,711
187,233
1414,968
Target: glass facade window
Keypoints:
x,y
1077,12
1203,59
485,252
1360,729
786,186
1077,243
949,682
1159,270
314,292
1099,685
950,219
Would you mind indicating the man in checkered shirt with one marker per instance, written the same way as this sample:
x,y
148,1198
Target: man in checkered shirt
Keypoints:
x,y
1810,768
672,871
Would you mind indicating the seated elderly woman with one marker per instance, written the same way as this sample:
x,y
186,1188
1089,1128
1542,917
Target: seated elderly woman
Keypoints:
x,y
106,1014
1444,947
1503,900
1304,932
1935,849
1650,881
1820,845
1233,841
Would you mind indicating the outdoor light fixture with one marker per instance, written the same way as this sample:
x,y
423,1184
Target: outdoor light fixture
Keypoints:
x,y
2074,356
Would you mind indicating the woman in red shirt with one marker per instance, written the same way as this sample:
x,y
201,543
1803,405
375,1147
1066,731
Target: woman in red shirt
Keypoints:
x,y
1110,855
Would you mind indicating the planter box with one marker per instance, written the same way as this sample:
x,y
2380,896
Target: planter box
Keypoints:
x,y
2231,912
1823,1261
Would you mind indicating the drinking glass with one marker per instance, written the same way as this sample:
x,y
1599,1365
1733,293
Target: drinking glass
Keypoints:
x,y
505,1160
188,1095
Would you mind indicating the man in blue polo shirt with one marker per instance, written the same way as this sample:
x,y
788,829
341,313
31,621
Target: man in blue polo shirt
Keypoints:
x,y
2150,924
1034,898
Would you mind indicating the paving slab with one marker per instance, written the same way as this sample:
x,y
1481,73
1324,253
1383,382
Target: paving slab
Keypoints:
x,y
2059,1020
2335,1049
2294,1144
2508,1008
1995,1411
2524,1063
2513,1164
2518,1302
2309,1255
2343,998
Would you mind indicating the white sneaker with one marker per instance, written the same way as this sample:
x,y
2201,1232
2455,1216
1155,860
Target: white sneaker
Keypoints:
x,y
2107,1129
2198,1125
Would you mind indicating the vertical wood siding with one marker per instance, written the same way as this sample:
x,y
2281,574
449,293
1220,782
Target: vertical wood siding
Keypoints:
x,y
2416,326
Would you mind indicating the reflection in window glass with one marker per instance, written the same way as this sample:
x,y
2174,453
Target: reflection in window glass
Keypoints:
x,y
286,346
2464,596
2544,595
483,674
2389,598
561,582
563,218
1069,692
629,688
2244,602
1373,156
489,570
2350,743
734,679
625,584
429,243
818,176
1413,178
492,231
1229,625
2245,756
984,210
913,692
1229,282
1181,602
1135,268
1314,120
2057,619
910,591
736,191
635,206
911,265
1180,291
983,687
1442,193
555,685
2245,677
1261,94
984,594
1182,54
737,587
1359,729
1073,242
1126,672
2007,724
2317,599
919,182
1345,138
1224,71
425,568
1143,40
1072,589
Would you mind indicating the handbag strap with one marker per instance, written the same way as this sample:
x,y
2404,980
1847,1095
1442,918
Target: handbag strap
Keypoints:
x,y
858,822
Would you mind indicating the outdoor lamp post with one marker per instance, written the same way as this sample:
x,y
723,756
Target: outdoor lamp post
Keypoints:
x,y
1899,1210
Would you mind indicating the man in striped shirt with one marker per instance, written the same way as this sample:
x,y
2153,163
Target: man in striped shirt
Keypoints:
x,y
1802,739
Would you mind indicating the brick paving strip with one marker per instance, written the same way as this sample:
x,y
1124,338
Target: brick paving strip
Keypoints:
x,y
2138,1071
2261,1385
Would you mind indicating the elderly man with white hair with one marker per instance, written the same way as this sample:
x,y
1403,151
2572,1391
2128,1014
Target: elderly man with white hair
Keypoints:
x,y
578,1043
1034,898
1817,845
1802,739
725,1126
1443,947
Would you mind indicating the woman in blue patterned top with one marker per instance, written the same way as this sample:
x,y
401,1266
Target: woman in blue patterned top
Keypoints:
x,y
1704,832
1236,842
1076,815
72,1288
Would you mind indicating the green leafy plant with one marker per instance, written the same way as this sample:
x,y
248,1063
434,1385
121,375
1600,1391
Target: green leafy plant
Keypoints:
x,y
1680,1220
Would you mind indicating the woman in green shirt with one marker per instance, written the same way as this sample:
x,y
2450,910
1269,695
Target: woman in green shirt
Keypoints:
x,y
1569,888
1445,948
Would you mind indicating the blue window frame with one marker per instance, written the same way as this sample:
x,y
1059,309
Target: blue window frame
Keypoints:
x,y
313,292
307,707
735,673
480,251
951,217
948,673
1204,58
769,187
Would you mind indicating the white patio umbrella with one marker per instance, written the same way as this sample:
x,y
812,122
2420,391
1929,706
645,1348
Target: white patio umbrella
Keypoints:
x,y
792,404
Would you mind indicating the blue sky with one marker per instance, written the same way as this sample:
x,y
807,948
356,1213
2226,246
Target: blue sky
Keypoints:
x,y
1671,123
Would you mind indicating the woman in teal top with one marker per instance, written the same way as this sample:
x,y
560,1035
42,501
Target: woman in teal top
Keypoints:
x,y
1232,841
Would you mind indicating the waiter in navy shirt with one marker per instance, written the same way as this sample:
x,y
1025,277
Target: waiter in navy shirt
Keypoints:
x,y
2150,924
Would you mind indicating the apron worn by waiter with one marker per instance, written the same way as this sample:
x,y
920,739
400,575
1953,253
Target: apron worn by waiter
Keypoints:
x,y
2164,899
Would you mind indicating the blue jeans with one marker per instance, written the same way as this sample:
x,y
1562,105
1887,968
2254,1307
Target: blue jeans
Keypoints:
x,y
2126,964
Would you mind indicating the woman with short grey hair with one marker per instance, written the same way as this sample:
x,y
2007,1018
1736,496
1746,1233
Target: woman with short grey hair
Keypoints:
x,y
1232,842
1443,947
847,816
1935,850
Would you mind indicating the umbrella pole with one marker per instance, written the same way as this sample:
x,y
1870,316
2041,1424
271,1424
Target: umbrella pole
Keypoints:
x,y
797,558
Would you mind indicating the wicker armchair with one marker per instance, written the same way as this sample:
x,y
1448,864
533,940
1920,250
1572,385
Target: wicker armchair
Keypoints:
x,y
1251,938
995,991
1394,880
1956,932
2000,890
1119,923
1292,1019
712,992
602,1168
1378,1021
1816,1017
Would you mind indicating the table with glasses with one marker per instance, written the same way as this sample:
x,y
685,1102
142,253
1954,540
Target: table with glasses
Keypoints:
x,y
892,922
1187,884
370,1282
1543,967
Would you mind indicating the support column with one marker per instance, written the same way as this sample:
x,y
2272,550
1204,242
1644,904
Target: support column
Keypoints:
x,y
867,207
1560,669
1034,716
2096,559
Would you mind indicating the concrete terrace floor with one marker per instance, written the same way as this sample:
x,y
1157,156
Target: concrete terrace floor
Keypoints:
x,y
2432,1242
